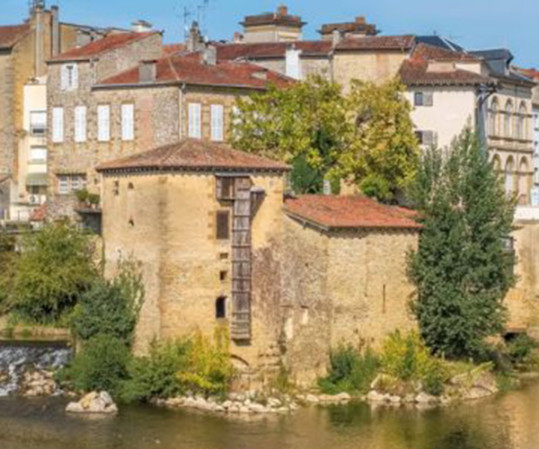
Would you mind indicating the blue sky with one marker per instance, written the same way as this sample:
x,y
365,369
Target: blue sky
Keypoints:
x,y
475,24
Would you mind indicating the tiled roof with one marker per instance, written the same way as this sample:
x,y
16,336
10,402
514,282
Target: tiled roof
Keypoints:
x,y
169,49
530,73
415,71
10,34
273,19
189,69
194,154
97,47
369,43
271,49
358,26
335,211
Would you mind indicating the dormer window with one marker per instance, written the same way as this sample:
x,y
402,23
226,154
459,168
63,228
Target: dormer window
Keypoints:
x,y
70,77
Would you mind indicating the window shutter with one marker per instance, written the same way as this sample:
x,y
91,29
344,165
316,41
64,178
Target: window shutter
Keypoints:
x,y
74,76
223,225
428,99
103,123
64,77
80,124
58,125
128,123
195,120
217,122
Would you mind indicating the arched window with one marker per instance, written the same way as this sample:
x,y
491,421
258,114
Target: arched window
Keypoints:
x,y
497,163
493,117
220,307
509,176
523,182
507,131
521,122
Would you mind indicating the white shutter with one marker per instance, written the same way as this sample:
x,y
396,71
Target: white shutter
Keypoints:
x,y
80,124
217,122
74,76
293,63
64,77
195,130
58,125
128,122
103,123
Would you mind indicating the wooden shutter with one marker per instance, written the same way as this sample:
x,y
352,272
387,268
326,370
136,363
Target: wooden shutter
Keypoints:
x,y
194,113
80,124
217,122
223,225
103,123
58,125
128,122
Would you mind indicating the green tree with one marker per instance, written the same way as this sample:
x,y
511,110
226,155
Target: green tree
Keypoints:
x,y
383,155
55,267
461,269
304,125
8,262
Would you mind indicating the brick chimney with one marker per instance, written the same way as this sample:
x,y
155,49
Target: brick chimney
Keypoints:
x,y
282,10
209,55
361,20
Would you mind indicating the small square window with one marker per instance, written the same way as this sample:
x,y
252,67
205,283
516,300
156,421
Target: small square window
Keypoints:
x,y
222,275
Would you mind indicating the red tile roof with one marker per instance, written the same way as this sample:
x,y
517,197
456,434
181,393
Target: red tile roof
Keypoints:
x,y
271,49
189,69
97,47
334,211
169,49
10,34
415,71
358,26
281,17
194,154
530,73
369,43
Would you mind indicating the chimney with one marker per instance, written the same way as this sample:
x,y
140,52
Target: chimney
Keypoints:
x,y
195,41
336,38
147,71
38,42
238,38
141,26
209,55
282,10
361,20
55,31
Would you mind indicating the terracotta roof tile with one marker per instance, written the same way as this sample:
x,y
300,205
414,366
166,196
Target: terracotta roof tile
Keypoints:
x,y
369,43
194,154
358,26
334,211
10,34
530,73
271,49
273,19
97,47
169,49
189,69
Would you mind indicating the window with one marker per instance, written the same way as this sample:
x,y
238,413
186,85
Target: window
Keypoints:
x,y
521,122
223,225
217,122
128,122
116,188
507,119
80,124
38,123
509,177
58,125
426,138
423,99
194,112
220,307
70,183
38,155
493,117
103,123
70,77
225,188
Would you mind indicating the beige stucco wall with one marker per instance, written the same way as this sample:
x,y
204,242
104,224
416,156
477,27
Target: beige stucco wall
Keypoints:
x,y
453,109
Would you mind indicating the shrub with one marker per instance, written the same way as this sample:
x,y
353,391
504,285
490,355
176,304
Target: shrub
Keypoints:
x,y
110,307
55,267
102,364
82,195
405,357
350,370
156,375
520,350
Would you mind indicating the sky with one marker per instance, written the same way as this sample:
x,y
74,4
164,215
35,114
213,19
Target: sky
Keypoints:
x,y
474,24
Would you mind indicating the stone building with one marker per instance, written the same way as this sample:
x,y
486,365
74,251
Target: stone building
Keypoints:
x,y
358,28
149,96
219,245
24,49
272,27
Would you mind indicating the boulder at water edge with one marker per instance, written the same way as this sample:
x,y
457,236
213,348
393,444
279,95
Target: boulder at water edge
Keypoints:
x,y
94,403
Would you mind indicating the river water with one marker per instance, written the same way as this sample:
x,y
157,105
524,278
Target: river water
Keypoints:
x,y
509,421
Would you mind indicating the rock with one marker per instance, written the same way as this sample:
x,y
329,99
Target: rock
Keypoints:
x,y
97,405
111,409
476,393
409,398
283,410
85,401
374,396
227,404
293,406
74,407
244,409
395,399
257,408
342,397
94,403
218,408
274,402
424,398
106,398
312,399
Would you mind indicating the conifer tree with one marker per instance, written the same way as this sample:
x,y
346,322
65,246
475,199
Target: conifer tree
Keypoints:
x,y
462,268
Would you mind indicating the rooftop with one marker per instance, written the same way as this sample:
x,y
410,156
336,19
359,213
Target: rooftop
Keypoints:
x,y
359,25
194,155
97,47
280,17
189,69
271,49
369,43
349,212
10,34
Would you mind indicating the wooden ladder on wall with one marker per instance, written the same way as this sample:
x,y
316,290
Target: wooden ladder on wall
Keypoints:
x,y
240,328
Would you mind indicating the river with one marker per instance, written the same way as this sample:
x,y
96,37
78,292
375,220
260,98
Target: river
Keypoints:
x,y
508,421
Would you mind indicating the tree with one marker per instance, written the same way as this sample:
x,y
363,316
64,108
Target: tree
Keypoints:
x,y
366,138
8,261
461,269
304,125
56,265
383,155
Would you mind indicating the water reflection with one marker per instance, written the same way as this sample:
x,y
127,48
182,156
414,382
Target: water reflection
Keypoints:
x,y
506,422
